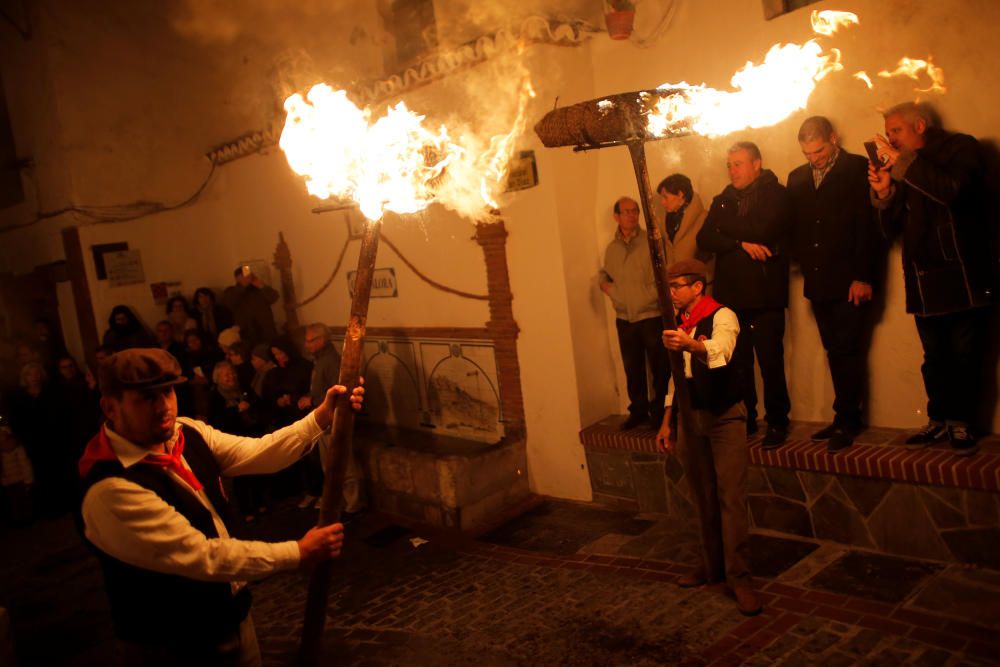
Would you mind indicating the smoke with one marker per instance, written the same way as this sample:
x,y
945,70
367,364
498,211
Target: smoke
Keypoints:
x,y
224,21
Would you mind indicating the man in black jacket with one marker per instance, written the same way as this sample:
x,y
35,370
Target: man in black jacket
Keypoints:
x,y
832,232
747,229
932,190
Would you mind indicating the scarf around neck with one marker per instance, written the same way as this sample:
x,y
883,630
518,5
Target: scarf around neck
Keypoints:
x,y
703,309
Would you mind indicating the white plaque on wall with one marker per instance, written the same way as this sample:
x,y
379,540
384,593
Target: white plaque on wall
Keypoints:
x,y
383,283
124,267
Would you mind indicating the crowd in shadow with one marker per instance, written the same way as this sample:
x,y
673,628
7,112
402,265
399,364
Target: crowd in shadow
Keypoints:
x,y
243,379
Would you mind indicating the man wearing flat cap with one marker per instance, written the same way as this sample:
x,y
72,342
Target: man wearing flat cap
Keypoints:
x,y
153,509
714,452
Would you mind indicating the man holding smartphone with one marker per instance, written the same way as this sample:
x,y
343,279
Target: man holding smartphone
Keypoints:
x,y
833,241
932,191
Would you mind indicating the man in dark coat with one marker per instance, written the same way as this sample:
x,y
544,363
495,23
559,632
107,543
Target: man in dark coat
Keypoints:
x,y
833,242
250,301
746,229
932,190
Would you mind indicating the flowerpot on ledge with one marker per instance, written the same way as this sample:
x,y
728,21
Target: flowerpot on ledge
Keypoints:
x,y
619,23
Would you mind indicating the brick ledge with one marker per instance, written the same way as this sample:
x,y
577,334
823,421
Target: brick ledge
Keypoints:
x,y
936,466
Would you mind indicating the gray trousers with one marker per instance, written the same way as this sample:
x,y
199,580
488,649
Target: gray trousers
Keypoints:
x,y
715,457
354,475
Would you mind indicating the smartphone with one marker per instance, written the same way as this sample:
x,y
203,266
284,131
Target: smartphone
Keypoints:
x,y
246,269
197,371
873,155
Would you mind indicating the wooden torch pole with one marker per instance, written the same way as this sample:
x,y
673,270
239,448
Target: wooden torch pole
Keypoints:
x,y
311,649
682,400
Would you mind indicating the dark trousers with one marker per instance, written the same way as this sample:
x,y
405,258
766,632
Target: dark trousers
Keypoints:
x,y
641,341
843,330
765,328
954,353
715,456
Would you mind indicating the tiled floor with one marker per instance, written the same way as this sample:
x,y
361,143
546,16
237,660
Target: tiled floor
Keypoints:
x,y
565,584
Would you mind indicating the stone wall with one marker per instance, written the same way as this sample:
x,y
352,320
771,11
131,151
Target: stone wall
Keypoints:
x,y
887,512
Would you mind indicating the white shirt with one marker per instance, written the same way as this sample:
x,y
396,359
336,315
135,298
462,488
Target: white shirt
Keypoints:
x,y
719,348
136,526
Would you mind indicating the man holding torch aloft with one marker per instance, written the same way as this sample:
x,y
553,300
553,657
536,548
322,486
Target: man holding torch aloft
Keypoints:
x,y
153,511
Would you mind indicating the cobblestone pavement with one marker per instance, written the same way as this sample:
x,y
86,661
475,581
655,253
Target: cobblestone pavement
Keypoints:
x,y
532,594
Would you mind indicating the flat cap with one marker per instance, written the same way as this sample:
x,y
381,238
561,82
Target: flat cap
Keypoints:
x,y
139,368
687,267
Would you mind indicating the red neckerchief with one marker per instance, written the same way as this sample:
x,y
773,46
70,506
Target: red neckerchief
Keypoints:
x,y
99,449
702,309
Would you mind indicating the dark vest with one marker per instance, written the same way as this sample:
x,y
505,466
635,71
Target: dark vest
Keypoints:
x,y
154,608
715,389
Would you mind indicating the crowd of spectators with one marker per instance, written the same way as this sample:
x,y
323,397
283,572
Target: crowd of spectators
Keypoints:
x,y
50,405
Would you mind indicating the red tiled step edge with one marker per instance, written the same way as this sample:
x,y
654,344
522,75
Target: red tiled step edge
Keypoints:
x,y
935,466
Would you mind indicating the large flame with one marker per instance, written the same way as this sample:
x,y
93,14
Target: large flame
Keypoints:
x,y
912,68
498,156
764,94
395,163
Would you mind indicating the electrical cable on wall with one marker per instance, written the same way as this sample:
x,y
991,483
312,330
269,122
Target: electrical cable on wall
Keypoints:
x,y
430,281
119,212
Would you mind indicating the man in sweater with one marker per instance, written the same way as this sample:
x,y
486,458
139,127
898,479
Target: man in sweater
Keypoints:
x,y
153,510
712,445
747,230
833,234
627,279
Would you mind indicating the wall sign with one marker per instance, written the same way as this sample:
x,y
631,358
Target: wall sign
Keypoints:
x,y
523,172
124,267
383,284
101,249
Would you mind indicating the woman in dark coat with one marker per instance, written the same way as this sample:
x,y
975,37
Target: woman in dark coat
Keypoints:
x,y
37,419
197,363
82,401
212,317
125,330
236,410
287,381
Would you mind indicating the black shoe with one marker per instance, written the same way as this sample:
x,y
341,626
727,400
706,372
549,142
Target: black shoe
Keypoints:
x,y
775,437
826,432
933,432
840,439
656,421
962,442
631,422
752,428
